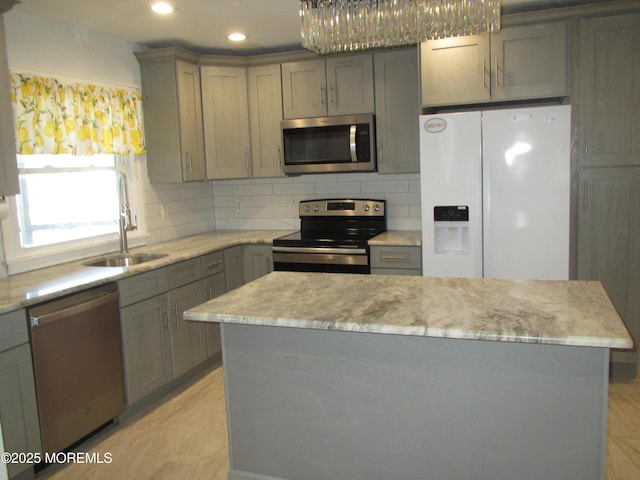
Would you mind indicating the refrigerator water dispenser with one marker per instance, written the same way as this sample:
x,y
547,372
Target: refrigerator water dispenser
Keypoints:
x,y
451,229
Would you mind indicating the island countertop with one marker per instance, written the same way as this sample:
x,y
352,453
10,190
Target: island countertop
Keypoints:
x,y
577,313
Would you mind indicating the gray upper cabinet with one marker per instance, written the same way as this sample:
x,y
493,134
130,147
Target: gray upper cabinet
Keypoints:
x,y
455,70
397,108
265,114
8,165
610,91
172,115
517,62
340,85
529,61
226,122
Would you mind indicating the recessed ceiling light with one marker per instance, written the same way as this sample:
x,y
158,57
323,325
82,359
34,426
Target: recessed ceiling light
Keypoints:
x,y
162,8
237,37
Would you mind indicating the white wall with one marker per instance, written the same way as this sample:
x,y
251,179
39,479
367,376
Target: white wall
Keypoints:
x,y
42,46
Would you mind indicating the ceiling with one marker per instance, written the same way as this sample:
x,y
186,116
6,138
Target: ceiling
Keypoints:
x,y
203,25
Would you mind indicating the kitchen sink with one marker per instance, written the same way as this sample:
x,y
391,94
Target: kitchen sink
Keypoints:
x,y
124,260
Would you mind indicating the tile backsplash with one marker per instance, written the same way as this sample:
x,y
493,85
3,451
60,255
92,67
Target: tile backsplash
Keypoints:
x,y
273,203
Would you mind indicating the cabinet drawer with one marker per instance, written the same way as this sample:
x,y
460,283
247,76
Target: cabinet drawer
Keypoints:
x,y
13,329
182,273
140,287
212,263
395,257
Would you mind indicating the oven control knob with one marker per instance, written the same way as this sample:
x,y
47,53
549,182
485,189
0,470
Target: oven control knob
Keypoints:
x,y
376,207
316,208
307,208
366,208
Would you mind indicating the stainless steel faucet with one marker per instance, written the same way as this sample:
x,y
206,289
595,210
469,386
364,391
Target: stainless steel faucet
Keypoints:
x,y
125,223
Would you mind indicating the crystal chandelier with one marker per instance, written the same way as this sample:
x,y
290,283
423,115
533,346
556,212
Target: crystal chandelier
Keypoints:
x,y
329,26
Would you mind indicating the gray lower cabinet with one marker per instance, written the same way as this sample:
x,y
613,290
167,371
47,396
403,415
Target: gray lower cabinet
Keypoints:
x,y
396,260
234,267
146,348
609,247
18,407
158,344
213,285
8,165
188,342
258,261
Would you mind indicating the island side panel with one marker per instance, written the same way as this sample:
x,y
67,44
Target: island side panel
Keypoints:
x,y
319,405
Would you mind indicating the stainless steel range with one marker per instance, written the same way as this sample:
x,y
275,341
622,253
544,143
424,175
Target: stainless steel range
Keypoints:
x,y
333,236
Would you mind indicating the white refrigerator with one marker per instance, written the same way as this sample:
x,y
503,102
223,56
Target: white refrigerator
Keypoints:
x,y
495,193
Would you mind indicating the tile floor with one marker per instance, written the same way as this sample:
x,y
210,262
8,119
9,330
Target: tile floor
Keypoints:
x,y
186,437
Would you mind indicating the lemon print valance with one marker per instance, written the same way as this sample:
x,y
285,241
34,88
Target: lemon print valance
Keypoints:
x,y
52,117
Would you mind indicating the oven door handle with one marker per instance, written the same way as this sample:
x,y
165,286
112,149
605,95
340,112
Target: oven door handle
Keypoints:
x,y
344,251
352,143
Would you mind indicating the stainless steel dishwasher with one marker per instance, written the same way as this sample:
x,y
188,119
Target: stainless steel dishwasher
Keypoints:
x,y
77,360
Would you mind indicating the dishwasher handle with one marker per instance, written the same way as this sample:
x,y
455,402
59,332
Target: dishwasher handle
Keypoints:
x,y
98,300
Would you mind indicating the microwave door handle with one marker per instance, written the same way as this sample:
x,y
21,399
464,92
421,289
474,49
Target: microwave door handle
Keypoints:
x,y
352,143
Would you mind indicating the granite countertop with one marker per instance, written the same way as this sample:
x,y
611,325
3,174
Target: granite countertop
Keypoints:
x,y
24,289
575,313
400,238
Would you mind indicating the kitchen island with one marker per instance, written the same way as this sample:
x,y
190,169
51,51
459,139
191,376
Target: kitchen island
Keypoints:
x,y
332,376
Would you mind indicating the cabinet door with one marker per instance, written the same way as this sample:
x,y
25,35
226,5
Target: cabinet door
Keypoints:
x,y
265,114
213,287
258,261
226,122
455,70
146,349
8,165
190,110
18,408
397,107
610,91
233,267
609,241
529,61
350,84
304,89
188,344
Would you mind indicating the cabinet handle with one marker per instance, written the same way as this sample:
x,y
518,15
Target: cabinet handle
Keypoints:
x,y
497,75
266,259
333,97
246,158
394,257
210,294
585,195
323,95
214,264
166,313
177,318
380,153
279,153
484,82
586,140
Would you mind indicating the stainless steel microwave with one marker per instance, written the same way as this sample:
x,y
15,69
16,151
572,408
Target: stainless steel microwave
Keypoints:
x,y
345,143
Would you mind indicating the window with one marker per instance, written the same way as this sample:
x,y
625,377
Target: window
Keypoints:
x,y
66,198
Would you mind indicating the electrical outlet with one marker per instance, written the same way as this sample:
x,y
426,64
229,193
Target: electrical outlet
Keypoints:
x,y
239,205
